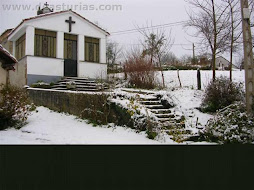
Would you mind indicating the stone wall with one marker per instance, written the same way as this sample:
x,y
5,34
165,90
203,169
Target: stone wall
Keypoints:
x,y
18,77
3,75
92,106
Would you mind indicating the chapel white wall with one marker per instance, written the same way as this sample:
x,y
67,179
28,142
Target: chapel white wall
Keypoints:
x,y
45,66
30,31
60,45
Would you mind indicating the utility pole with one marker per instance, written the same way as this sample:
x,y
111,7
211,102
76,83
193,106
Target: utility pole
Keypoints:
x,y
248,55
194,59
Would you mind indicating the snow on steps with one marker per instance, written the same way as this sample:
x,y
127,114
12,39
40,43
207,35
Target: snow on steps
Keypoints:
x,y
152,103
82,84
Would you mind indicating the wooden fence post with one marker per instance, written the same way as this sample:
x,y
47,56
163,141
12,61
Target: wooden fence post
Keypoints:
x,y
179,78
199,79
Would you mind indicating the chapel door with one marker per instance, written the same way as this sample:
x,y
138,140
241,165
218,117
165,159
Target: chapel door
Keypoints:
x,y
70,55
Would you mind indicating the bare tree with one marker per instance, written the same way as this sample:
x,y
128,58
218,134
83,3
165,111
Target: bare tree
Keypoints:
x,y
211,24
251,7
235,29
156,44
185,59
240,63
169,59
138,69
113,52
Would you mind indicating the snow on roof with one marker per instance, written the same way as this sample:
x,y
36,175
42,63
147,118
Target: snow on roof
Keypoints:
x,y
8,54
222,58
54,13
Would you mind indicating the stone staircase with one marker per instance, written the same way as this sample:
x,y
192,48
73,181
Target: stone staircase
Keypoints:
x,y
78,84
164,115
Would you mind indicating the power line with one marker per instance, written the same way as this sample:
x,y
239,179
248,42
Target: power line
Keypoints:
x,y
148,27
170,44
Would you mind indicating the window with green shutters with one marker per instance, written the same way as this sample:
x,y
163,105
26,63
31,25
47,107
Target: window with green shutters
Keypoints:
x,y
92,50
45,43
20,47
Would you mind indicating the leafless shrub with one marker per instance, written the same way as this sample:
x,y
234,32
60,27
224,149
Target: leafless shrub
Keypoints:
x,y
140,72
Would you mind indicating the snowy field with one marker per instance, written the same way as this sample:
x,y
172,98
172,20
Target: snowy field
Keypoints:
x,y
188,98
47,127
189,78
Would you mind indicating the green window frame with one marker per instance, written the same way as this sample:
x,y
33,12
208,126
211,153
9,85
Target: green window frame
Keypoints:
x,y
92,50
70,46
45,43
20,47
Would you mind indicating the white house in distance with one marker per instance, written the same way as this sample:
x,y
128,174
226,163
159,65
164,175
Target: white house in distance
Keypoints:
x,y
53,45
223,64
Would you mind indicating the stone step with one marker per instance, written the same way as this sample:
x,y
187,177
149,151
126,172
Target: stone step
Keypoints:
x,y
138,91
79,78
77,86
58,88
155,107
82,84
187,137
74,88
149,99
88,83
172,123
151,102
77,89
77,81
87,90
165,115
161,111
162,120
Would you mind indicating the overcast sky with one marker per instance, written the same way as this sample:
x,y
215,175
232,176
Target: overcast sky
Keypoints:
x,y
133,13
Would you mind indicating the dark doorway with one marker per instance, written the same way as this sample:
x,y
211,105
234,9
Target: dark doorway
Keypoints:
x,y
70,55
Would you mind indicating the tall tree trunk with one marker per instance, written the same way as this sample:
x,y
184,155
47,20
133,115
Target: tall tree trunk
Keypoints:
x,y
215,42
162,74
232,40
214,64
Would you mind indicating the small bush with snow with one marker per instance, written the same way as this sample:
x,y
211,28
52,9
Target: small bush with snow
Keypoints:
x,y
71,85
41,84
14,107
221,93
230,125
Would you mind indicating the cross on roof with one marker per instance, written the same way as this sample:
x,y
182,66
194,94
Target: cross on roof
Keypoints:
x,y
46,4
70,21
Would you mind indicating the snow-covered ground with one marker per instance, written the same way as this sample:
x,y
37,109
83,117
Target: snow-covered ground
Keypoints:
x,y
189,78
47,127
188,98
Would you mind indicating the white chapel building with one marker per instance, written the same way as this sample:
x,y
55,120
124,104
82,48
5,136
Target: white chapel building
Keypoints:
x,y
53,45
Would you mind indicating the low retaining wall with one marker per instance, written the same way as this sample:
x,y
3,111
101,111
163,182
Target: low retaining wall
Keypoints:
x,y
92,106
